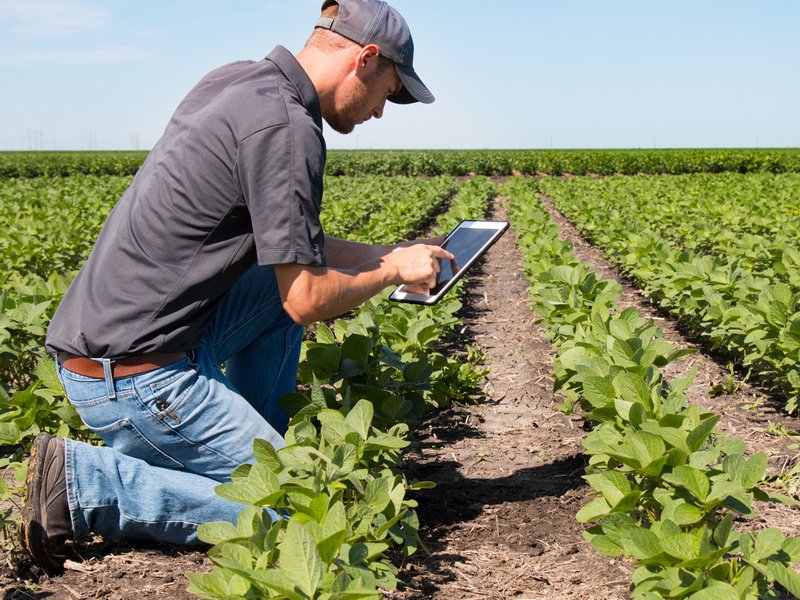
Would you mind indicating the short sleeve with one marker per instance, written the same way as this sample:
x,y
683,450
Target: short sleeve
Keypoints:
x,y
280,172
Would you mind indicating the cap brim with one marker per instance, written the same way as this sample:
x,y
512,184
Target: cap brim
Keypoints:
x,y
413,88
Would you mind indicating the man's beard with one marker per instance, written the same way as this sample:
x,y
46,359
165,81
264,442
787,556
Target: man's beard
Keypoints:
x,y
347,115
342,124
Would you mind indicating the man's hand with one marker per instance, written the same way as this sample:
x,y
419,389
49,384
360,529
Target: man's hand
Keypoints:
x,y
417,264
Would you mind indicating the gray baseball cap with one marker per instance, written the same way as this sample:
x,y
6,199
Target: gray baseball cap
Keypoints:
x,y
375,22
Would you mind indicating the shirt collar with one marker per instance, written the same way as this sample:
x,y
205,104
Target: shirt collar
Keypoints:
x,y
296,75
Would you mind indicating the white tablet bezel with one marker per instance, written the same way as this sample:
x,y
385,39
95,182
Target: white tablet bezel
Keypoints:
x,y
499,227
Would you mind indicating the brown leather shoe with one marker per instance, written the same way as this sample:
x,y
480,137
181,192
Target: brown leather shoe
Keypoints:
x,y
46,526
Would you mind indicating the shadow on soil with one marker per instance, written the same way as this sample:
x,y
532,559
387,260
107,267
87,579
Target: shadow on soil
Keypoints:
x,y
465,498
525,493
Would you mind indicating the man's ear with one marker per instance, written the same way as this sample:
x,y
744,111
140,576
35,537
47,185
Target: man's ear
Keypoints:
x,y
367,58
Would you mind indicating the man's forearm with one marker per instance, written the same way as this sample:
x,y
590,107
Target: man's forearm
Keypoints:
x,y
315,294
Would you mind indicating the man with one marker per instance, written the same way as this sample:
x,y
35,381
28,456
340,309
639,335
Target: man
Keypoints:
x,y
215,255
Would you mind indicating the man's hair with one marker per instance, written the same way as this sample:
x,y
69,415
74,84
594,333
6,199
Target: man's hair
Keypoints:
x,y
327,40
331,42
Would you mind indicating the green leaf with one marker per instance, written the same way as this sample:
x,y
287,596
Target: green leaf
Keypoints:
x,y
276,581
612,484
787,577
599,391
300,560
633,388
302,434
46,372
649,450
693,480
687,514
621,354
376,494
720,591
358,554
324,334
360,418
334,427
672,435
232,555
673,356
356,350
10,434
218,584
395,407
791,546
259,488
754,470
330,546
641,543
683,546
409,532
768,542
723,530
615,525
623,408
343,461
637,414
698,436
324,360
572,357
385,441
217,532
594,510
602,543
422,485
265,453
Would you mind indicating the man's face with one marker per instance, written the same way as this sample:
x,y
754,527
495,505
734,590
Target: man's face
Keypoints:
x,y
362,98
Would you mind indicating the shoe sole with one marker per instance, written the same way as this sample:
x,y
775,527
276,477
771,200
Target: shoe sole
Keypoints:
x,y
30,528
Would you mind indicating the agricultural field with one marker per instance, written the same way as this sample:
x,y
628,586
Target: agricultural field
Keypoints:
x,y
606,408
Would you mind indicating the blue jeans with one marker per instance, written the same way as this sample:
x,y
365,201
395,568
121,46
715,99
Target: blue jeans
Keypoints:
x,y
175,433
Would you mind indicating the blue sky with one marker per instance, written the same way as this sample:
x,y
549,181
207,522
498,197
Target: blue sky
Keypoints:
x,y
80,74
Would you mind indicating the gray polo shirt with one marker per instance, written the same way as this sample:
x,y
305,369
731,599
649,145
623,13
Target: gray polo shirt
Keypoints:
x,y
235,179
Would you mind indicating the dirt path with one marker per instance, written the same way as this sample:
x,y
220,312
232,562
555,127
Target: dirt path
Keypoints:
x,y
501,522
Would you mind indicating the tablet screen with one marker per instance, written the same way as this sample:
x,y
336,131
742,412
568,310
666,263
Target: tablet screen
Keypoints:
x,y
467,242
463,244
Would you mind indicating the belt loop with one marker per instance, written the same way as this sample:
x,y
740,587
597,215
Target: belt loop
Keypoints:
x,y
112,394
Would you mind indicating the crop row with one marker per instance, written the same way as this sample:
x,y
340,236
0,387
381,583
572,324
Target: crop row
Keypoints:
x,y
752,220
355,206
753,318
339,479
668,485
450,162
49,226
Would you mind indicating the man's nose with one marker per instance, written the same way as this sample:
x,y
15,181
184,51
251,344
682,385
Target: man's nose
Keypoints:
x,y
378,112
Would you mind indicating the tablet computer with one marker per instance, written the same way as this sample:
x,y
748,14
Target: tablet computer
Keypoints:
x,y
467,242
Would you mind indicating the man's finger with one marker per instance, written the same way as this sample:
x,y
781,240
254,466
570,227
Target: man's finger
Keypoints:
x,y
440,252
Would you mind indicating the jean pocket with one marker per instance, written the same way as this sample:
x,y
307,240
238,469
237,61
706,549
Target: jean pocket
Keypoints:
x,y
125,437
165,396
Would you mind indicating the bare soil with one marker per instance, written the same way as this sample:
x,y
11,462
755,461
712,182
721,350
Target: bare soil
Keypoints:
x,y
501,521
